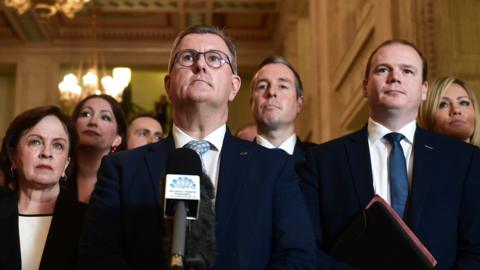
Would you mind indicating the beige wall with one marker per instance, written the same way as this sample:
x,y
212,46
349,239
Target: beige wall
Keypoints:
x,y
345,32
7,88
456,39
327,41
147,87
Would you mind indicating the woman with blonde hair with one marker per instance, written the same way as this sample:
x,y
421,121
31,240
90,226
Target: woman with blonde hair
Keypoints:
x,y
451,109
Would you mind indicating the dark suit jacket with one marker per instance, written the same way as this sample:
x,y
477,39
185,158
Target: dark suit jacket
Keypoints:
x,y
444,203
60,250
299,154
261,218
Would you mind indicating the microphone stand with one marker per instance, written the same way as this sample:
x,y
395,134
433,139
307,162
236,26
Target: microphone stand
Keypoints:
x,y
178,240
177,261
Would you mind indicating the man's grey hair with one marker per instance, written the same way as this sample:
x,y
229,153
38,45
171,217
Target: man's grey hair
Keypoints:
x,y
205,29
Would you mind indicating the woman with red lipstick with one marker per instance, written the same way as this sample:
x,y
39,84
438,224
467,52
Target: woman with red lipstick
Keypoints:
x,y
40,221
101,128
451,109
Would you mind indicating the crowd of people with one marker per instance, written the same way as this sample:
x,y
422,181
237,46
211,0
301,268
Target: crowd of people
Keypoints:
x,y
83,192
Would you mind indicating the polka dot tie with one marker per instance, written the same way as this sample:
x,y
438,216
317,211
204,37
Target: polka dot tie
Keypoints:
x,y
201,147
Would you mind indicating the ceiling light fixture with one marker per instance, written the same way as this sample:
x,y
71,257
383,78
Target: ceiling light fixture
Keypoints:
x,y
48,8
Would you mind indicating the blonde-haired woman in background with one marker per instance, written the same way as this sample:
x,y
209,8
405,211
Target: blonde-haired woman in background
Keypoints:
x,y
451,109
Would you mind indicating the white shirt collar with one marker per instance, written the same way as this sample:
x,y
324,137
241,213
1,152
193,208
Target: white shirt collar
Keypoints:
x,y
376,131
288,145
215,138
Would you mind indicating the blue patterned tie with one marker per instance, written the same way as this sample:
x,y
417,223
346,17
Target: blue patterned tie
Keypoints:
x,y
398,174
201,147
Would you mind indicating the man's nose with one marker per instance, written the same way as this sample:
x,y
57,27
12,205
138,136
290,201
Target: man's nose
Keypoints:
x,y
271,91
394,76
199,64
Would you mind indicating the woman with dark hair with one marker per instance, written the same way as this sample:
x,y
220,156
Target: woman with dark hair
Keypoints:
x,y
101,129
40,221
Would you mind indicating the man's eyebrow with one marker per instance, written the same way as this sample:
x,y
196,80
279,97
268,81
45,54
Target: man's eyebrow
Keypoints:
x,y
283,79
261,80
390,65
142,129
408,66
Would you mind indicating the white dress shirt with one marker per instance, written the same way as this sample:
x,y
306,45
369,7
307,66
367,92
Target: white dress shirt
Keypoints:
x,y
211,159
33,232
380,150
288,145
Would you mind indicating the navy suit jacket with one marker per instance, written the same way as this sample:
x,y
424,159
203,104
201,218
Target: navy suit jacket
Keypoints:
x,y
444,202
60,251
261,218
299,155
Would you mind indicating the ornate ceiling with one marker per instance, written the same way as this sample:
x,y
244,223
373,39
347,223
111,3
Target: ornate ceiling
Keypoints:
x,y
253,24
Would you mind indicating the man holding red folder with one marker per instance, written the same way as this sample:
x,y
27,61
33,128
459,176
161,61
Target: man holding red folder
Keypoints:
x,y
432,182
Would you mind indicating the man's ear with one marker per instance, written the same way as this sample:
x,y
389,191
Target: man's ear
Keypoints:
x,y
424,90
364,88
236,83
300,101
166,82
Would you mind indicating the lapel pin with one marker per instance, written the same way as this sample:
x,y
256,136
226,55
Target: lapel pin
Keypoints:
x,y
429,147
243,153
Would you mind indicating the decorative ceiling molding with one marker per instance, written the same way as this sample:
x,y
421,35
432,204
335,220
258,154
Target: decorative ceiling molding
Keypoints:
x,y
129,28
153,20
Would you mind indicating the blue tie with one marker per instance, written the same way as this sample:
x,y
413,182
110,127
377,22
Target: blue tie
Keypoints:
x,y
201,147
398,174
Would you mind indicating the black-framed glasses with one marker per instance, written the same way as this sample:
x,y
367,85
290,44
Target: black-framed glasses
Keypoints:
x,y
214,59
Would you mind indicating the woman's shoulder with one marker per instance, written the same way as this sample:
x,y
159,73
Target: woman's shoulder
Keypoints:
x,y
68,200
7,195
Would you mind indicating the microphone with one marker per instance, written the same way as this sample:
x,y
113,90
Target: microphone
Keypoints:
x,y
188,199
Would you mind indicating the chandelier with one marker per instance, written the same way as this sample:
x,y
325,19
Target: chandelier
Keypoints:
x,y
75,87
91,76
48,8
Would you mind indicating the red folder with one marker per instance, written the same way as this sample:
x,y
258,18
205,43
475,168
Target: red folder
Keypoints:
x,y
379,239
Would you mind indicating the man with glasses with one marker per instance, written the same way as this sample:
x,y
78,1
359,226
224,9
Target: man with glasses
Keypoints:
x,y
261,221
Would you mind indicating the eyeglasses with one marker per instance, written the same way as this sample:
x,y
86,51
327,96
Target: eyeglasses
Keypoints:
x,y
213,58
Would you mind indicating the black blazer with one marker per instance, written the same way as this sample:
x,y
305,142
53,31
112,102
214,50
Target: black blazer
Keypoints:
x,y
444,203
60,250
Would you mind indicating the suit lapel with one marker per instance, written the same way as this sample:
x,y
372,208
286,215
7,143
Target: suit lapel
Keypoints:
x,y
156,159
358,154
298,154
61,247
9,238
230,180
423,164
